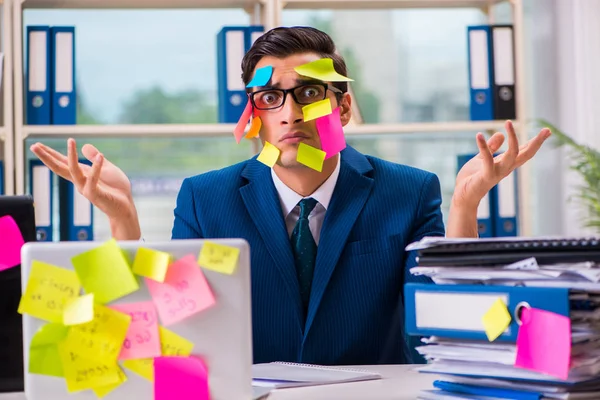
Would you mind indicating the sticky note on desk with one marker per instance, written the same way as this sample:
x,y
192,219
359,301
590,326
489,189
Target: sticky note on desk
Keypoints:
x,y
11,243
180,378
151,263
185,291
171,345
105,272
48,290
311,157
322,69
218,257
316,110
44,357
544,342
261,77
331,133
496,320
142,339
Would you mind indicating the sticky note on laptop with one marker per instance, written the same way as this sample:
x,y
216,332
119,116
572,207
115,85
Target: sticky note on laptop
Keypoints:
x,y
179,378
44,357
142,339
219,257
151,263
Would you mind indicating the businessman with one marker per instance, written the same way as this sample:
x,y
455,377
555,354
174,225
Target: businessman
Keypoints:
x,y
328,258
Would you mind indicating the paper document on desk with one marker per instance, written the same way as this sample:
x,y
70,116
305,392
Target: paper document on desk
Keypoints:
x,y
286,375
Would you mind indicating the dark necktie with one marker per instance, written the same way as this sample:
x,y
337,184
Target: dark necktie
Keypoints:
x,y
305,250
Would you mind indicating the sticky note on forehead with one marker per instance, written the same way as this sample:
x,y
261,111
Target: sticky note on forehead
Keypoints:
x,y
261,77
323,70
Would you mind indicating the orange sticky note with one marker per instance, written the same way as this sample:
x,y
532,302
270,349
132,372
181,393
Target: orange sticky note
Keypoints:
x,y
311,157
151,263
142,340
316,110
269,155
238,132
254,128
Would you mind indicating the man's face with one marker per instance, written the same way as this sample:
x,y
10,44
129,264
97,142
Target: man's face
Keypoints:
x,y
284,127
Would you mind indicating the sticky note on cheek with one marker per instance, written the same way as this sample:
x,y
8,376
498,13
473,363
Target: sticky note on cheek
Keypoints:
x,y
311,157
254,128
544,343
269,155
331,133
496,320
316,110
10,244
218,257
238,132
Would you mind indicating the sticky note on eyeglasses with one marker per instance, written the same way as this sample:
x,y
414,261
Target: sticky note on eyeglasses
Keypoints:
x,y
311,157
323,70
11,243
219,257
269,155
151,263
496,320
316,110
79,310
48,290
44,358
105,272
254,128
331,133
238,132
261,77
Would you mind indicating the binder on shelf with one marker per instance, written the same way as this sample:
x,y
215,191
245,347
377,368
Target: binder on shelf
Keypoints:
x,y
64,109
487,207
75,211
455,311
40,182
480,73
1,177
504,72
38,80
506,216
253,32
231,47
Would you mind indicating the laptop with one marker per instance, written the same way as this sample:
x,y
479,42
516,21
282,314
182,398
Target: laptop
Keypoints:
x,y
221,335
11,337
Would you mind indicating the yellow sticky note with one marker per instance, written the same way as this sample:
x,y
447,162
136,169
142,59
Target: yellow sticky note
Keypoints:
x,y
496,320
323,70
311,157
103,337
218,257
105,272
254,128
269,155
171,345
86,372
316,110
48,290
79,310
152,264
44,357
103,391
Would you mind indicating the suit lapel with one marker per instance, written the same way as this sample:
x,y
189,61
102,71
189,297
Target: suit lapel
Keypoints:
x,y
261,200
350,195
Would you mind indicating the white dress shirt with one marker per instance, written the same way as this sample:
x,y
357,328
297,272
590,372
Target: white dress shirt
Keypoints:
x,y
289,202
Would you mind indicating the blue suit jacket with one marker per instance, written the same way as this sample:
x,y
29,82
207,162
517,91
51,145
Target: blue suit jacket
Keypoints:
x,y
355,315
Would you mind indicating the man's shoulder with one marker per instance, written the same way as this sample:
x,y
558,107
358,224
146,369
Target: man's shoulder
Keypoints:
x,y
388,169
219,178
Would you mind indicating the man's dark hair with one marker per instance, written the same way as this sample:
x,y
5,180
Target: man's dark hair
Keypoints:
x,y
286,41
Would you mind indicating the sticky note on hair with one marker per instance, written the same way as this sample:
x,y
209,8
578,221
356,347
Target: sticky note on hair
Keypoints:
x,y
11,243
105,272
544,343
261,77
219,257
331,133
496,320
151,263
44,358
316,110
142,339
311,157
180,378
79,310
323,70
238,132
254,128
48,290
269,155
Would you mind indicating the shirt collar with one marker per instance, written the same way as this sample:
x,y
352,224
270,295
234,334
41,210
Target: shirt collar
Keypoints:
x,y
289,199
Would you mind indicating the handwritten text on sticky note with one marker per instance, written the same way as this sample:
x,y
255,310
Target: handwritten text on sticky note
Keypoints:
x,y
83,372
310,156
544,342
316,110
180,377
331,133
151,263
48,290
10,243
142,338
219,257
322,69
269,155
496,320
103,391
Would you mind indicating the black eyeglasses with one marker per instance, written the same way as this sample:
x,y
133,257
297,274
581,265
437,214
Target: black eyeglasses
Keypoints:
x,y
270,99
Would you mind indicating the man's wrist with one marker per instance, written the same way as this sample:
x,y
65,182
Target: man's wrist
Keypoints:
x,y
462,222
126,227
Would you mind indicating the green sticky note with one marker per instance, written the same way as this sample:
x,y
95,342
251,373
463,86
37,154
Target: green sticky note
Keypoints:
x,y
105,272
311,157
152,264
322,70
44,357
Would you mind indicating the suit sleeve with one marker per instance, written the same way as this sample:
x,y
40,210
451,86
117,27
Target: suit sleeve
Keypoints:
x,y
186,224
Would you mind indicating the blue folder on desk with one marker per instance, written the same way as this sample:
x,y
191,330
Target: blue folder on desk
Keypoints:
x,y
455,311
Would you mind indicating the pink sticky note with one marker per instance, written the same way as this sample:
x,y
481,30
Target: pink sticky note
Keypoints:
x,y
180,378
238,132
143,339
331,133
184,292
11,242
544,343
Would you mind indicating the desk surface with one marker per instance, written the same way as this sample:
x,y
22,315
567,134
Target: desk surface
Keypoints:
x,y
400,382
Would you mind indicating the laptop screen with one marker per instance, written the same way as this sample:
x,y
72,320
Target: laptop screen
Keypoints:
x,y
20,208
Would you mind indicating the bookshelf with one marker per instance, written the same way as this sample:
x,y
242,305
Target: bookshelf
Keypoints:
x,y
6,130
269,14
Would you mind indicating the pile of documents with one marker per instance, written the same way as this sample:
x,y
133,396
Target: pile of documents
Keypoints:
x,y
508,318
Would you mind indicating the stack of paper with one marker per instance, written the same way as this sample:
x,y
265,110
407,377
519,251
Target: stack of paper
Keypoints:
x,y
508,318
